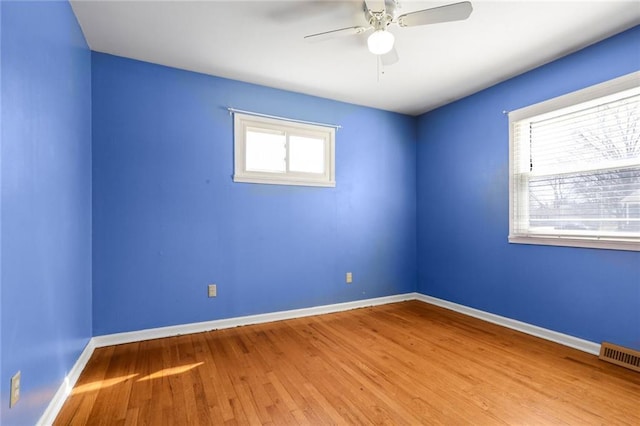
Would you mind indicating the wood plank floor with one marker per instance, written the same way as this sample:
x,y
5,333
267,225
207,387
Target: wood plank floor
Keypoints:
x,y
405,363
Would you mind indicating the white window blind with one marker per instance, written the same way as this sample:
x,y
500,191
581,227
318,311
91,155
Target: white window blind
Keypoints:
x,y
575,172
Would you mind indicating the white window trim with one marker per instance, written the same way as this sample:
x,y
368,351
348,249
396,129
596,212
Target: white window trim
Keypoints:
x,y
243,121
607,88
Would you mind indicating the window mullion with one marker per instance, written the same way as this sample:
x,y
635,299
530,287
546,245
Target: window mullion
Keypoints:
x,y
286,152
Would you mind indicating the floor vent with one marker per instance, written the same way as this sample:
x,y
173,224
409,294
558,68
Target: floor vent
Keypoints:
x,y
620,355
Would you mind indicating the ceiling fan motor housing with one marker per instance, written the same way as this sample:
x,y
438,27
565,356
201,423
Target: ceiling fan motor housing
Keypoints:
x,y
379,20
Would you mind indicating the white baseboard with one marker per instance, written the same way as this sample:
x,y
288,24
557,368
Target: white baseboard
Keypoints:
x,y
156,333
198,327
534,330
67,385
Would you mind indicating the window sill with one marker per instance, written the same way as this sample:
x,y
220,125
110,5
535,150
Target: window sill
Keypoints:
x,y
609,244
280,181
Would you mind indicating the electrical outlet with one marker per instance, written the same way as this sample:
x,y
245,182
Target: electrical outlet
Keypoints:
x,y
349,277
15,390
213,290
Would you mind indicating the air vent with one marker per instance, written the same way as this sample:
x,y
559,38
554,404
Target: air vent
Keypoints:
x,y
620,355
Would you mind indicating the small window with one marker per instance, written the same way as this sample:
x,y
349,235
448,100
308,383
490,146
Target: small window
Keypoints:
x,y
274,151
575,168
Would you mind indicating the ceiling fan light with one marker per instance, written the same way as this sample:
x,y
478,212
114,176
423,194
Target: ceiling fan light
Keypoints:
x,y
380,42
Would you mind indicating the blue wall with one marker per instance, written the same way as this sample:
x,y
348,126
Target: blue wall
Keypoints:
x,y
2,399
168,220
463,219
46,202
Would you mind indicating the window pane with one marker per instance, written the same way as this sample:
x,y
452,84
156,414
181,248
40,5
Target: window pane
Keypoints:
x,y
598,203
265,152
306,154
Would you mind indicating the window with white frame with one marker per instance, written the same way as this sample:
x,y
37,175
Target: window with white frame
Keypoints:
x,y
575,168
275,151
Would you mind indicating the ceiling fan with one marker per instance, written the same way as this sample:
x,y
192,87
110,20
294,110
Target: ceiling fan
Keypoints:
x,y
380,14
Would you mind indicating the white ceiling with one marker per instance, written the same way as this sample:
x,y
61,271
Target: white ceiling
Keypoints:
x,y
262,42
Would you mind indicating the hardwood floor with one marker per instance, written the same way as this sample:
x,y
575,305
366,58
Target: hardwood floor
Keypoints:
x,y
404,363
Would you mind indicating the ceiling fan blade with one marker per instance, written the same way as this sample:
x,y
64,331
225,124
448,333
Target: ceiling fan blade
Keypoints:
x,y
375,5
390,58
327,35
451,12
